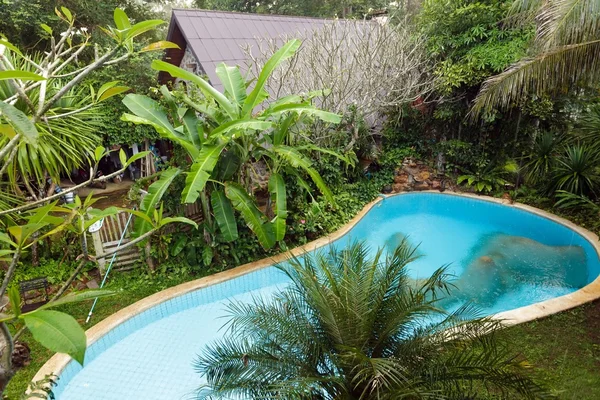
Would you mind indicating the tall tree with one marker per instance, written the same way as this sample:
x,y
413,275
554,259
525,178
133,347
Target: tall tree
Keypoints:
x,y
309,8
565,53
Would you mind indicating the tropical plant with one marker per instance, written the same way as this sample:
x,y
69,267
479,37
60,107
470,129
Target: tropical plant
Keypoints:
x,y
55,330
577,170
230,138
542,158
47,117
565,53
353,325
490,177
588,126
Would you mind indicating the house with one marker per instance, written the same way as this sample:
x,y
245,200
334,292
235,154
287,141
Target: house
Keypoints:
x,y
207,38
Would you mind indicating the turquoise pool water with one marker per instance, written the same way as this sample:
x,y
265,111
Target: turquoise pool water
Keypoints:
x,y
503,258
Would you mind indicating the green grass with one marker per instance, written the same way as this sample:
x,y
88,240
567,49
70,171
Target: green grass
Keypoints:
x,y
564,348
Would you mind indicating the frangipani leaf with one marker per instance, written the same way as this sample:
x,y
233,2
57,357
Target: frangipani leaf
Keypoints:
x,y
160,45
58,332
20,122
23,75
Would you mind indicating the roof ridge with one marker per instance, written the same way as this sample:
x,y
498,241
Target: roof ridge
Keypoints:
x,y
262,15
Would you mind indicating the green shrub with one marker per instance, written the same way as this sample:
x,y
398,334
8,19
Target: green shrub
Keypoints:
x,y
576,170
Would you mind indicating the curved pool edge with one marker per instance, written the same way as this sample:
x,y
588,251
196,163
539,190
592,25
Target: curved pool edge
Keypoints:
x,y
56,364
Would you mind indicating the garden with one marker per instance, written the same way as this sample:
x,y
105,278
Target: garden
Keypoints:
x,y
388,182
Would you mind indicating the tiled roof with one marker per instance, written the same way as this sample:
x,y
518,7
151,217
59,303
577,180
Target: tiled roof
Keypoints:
x,y
215,37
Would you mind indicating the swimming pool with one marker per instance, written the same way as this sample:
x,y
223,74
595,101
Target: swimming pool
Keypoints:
x,y
504,257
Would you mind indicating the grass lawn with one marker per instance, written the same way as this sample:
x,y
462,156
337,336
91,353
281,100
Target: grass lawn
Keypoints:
x,y
565,351
564,348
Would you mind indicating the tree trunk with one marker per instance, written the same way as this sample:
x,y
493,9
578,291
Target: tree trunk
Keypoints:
x,y
6,349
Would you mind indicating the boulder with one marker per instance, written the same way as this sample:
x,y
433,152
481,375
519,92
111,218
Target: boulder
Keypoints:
x,y
421,186
424,175
398,187
402,178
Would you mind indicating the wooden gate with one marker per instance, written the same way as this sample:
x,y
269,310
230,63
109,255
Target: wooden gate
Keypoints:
x,y
108,236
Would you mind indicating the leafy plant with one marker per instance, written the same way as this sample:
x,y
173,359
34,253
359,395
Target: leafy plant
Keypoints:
x,y
230,141
542,159
354,325
489,178
576,170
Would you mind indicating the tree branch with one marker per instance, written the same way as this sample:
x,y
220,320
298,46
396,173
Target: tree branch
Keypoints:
x,y
71,112
95,65
63,192
10,272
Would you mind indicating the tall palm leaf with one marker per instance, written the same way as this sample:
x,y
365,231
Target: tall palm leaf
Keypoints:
x,y
352,325
565,53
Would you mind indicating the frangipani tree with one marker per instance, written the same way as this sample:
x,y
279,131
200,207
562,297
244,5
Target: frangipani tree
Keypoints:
x,y
227,134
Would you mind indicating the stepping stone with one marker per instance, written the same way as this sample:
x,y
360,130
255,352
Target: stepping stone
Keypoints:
x,y
92,284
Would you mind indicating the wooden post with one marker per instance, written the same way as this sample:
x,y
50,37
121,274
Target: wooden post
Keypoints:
x,y
149,259
99,249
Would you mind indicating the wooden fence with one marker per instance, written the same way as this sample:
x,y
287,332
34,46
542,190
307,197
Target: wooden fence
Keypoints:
x,y
108,236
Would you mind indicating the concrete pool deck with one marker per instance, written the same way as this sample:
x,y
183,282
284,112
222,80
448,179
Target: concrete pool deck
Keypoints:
x,y
590,292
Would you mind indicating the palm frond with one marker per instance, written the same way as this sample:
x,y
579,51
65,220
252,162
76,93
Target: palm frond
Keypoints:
x,y
557,70
566,22
353,325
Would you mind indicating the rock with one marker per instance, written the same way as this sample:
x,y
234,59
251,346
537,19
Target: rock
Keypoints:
x,y
411,171
411,180
92,284
508,198
421,186
437,185
387,189
21,355
403,178
424,175
398,187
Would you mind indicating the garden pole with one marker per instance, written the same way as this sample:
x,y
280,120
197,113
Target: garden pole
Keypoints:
x,y
112,260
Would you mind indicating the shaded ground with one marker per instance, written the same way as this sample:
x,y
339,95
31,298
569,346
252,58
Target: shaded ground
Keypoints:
x,y
115,194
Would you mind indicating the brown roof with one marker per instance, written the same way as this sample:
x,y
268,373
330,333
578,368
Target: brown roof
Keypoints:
x,y
215,36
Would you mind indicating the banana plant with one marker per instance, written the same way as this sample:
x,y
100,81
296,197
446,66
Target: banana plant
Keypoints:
x,y
227,134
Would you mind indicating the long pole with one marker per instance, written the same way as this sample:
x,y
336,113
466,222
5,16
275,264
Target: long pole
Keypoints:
x,y
112,260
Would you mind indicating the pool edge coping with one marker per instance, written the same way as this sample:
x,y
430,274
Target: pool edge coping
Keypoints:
x,y
58,362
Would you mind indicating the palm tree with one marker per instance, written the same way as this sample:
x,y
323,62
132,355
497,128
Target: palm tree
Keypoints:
x,y
355,326
565,53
